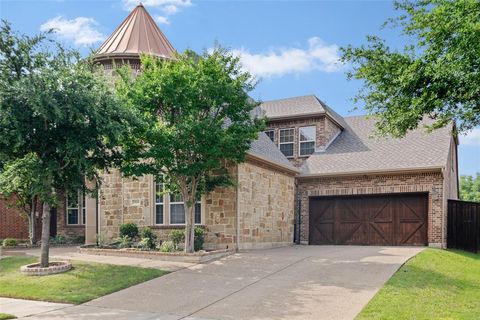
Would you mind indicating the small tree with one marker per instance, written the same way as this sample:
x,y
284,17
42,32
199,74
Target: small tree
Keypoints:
x,y
58,110
470,188
19,182
436,75
196,117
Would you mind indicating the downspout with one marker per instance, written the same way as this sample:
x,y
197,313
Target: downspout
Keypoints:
x,y
238,210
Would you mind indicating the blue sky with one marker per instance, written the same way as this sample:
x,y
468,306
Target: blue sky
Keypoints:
x,y
291,46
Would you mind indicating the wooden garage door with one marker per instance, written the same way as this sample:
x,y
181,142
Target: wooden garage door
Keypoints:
x,y
369,220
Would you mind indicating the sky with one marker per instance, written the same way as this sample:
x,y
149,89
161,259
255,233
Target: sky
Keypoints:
x,y
292,47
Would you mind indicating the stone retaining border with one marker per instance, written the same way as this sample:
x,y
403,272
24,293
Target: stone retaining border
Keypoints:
x,y
54,267
196,257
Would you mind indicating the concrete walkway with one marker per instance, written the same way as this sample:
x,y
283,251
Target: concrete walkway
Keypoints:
x,y
71,253
302,282
24,308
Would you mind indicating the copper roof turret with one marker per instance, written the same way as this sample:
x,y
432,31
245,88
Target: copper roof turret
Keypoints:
x,y
138,33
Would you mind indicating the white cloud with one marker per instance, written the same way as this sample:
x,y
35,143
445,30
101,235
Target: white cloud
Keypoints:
x,y
472,138
161,19
278,62
168,6
81,31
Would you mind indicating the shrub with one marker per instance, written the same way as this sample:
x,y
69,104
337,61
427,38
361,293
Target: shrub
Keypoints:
x,y
177,236
129,229
10,242
125,242
59,239
167,246
199,239
101,240
79,239
148,238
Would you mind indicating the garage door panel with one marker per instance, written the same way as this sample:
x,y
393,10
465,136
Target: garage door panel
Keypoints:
x,y
375,220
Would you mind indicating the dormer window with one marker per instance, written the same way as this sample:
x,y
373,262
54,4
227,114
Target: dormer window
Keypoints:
x,y
287,139
270,134
307,140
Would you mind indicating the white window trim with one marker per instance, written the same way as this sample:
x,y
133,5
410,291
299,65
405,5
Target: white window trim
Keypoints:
x,y
167,206
300,142
271,130
293,141
80,209
155,205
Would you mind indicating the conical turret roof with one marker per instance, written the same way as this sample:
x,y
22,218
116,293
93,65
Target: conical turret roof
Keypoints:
x,y
138,33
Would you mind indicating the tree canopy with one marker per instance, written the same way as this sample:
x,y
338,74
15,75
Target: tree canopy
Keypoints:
x,y
60,111
196,115
470,187
435,75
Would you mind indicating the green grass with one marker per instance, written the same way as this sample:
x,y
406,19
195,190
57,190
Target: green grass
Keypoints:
x,y
436,284
6,316
86,281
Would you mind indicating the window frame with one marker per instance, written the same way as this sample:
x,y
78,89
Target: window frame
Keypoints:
x,y
283,143
155,203
306,141
183,203
81,209
273,131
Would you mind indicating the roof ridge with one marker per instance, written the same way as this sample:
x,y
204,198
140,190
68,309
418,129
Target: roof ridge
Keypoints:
x,y
290,98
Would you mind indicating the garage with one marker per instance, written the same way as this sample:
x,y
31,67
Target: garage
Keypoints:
x,y
397,219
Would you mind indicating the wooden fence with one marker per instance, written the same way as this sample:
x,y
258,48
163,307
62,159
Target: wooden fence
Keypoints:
x,y
463,228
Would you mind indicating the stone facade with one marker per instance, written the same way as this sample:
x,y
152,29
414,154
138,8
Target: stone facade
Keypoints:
x,y
261,203
428,182
326,132
266,206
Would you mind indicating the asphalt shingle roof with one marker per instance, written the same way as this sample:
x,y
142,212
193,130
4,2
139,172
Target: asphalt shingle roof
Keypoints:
x,y
264,148
299,106
356,150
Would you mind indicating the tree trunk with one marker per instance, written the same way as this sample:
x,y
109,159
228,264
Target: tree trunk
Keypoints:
x,y
189,228
45,235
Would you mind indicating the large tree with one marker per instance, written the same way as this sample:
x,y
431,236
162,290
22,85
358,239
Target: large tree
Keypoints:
x,y
470,187
196,118
61,112
437,74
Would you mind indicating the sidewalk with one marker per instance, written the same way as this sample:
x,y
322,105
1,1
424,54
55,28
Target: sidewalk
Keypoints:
x,y
71,253
24,308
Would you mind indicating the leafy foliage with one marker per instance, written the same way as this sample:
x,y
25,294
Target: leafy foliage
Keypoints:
x,y
199,238
167,246
177,236
470,188
125,242
196,118
9,242
129,229
149,238
436,76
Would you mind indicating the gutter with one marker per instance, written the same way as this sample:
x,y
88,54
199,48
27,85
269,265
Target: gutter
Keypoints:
x,y
370,172
237,218
273,163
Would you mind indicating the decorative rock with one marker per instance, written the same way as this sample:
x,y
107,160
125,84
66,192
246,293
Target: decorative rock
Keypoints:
x,y
34,269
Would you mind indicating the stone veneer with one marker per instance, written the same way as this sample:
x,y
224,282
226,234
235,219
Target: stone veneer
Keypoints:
x,y
428,182
326,131
263,197
266,206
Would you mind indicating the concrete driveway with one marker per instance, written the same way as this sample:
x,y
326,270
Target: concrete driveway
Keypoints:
x,y
300,282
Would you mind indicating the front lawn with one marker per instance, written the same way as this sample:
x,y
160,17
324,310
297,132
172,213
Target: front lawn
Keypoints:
x,y
86,281
436,284
6,316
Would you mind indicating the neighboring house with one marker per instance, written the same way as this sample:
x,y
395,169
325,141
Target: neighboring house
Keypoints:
x,y
312,173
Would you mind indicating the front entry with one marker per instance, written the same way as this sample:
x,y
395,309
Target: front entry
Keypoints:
x,y
399,219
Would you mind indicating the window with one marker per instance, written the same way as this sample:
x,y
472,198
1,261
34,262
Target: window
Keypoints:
x,y
307,140
271,134
76,209
177,210
158,202
287,138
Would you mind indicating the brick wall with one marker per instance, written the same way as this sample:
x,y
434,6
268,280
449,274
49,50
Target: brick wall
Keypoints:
x,y
431,182
266,206
13,224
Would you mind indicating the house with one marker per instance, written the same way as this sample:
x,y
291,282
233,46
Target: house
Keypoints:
x,y
313,175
